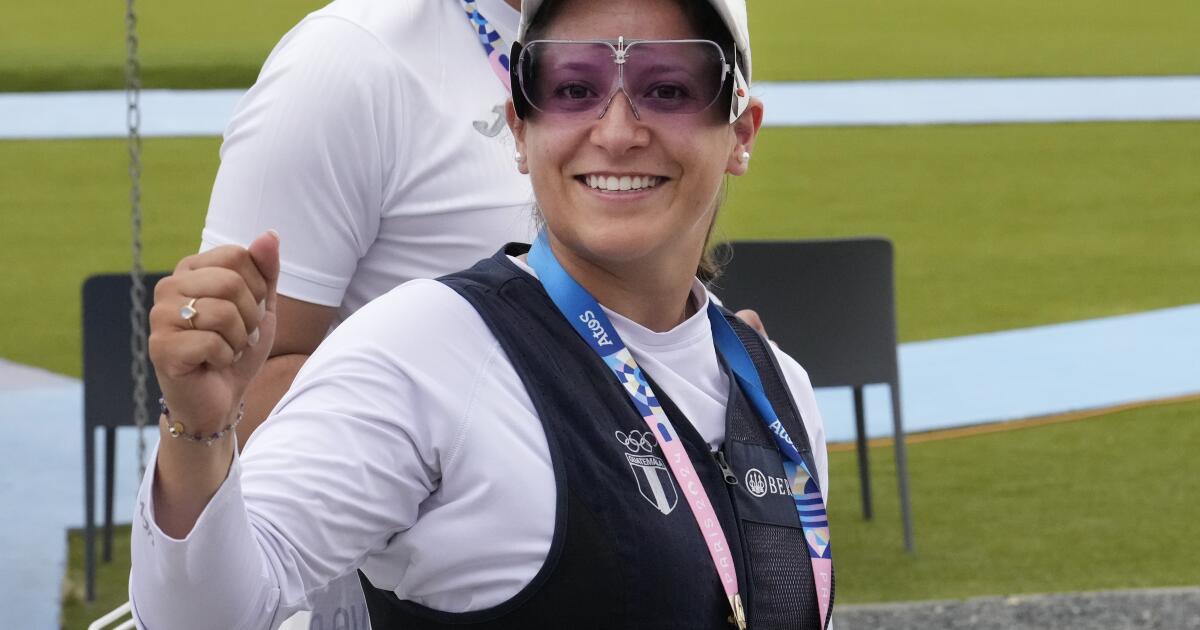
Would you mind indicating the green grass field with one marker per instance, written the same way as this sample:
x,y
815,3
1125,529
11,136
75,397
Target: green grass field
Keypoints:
x,y
1097,504
112,580
1088,505
80,44
996,227
67,216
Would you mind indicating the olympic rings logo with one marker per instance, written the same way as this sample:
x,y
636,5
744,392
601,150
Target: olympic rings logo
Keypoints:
x,y
636,441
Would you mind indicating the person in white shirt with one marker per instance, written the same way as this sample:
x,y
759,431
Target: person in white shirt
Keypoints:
x,y
426,445
374,142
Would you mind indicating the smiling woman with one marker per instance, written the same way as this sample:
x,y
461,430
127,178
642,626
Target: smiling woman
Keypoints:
x,y
556,437
592,117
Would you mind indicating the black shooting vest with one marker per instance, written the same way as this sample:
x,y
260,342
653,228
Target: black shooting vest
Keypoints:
x,y
626,551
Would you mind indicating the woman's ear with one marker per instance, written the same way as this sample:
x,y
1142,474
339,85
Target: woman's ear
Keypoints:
x,y
745,131
518,131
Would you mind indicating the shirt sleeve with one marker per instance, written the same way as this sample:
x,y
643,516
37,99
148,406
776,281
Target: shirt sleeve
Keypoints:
x,y
806,400
303,155
341,467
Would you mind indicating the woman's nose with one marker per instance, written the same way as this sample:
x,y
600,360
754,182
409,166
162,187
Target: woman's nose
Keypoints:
x,y
619,128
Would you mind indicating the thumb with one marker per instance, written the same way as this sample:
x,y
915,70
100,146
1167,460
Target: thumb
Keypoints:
x,y
264,251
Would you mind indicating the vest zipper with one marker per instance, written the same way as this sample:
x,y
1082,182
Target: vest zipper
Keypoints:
x,y
747,596
730,478
741,610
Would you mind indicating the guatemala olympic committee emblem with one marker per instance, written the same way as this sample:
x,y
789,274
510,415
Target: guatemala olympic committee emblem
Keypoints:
x,y
653,479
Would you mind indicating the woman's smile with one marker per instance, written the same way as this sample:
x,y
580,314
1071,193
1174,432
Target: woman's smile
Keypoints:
x,y
610,182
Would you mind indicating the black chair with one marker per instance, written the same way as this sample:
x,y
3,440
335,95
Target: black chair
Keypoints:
x,y
108,394
830,304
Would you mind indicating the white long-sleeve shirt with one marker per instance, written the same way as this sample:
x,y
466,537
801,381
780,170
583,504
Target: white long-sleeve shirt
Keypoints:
x,y
407,447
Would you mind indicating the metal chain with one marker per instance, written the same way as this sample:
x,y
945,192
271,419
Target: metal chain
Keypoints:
x,y
137,290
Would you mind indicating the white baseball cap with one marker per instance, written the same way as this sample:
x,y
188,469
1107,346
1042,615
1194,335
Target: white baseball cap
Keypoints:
x,y
733,14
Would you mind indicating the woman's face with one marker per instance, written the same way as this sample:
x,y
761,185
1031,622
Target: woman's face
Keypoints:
x,y
573,159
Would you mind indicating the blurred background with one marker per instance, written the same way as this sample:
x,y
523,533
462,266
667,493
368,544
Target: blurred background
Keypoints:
x,y
997,227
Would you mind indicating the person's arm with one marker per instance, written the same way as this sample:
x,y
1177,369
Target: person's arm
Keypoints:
x,y
204,363
239,542
302,155
301,326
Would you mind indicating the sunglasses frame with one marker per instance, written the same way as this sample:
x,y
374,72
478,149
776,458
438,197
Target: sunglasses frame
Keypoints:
x,y
524,105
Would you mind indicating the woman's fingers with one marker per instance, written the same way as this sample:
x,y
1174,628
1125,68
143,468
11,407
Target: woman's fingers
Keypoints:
x,y
209,285
182,353
233,258
222,317
210,310
179,345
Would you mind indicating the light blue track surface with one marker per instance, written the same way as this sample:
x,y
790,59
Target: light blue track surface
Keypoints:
x,y
1032,372
827,103
945,383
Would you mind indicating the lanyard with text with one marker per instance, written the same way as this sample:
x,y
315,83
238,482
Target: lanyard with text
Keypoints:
x,y
493,45
810,505
590,321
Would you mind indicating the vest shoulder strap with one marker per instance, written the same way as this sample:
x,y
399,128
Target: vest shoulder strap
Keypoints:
x,y
774,384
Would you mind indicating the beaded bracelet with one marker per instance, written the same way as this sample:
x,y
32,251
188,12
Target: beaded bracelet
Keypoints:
x,y
176,428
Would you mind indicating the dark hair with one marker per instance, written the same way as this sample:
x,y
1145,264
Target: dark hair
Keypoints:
x,y
709,25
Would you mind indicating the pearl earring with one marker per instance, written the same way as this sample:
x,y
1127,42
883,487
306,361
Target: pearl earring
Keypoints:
x,y
744,157
518,157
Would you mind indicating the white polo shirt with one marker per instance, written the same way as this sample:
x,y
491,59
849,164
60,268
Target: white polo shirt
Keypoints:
x,y
374,142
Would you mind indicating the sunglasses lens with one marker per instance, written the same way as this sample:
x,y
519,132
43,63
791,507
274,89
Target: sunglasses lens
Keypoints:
x,y
674,77
683,77
568,77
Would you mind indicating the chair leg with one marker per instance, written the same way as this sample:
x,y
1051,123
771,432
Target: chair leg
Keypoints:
x,y
864,465
89,509
110,456
901,467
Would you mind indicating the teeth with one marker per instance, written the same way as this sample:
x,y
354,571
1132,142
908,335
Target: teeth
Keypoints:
x,y
612,183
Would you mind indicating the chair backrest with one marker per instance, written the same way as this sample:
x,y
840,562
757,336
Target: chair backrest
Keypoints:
x,y
828,303
107,382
